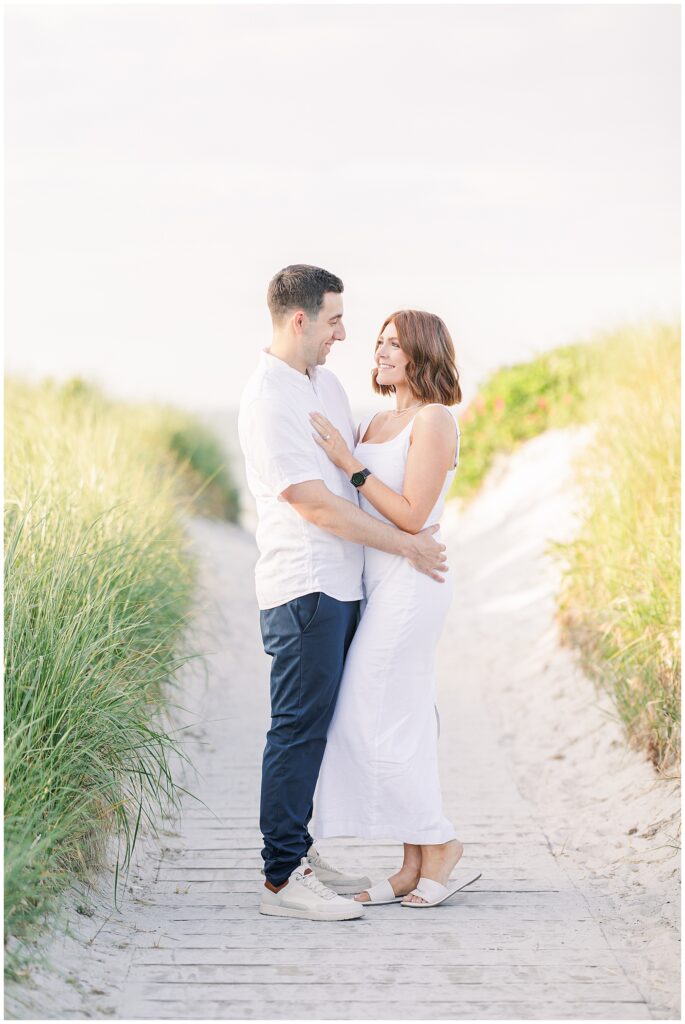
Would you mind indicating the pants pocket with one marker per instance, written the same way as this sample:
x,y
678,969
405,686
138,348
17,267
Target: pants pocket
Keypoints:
x,y
307,606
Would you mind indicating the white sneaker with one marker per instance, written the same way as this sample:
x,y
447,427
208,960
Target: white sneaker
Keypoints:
x,y
305,896
334,879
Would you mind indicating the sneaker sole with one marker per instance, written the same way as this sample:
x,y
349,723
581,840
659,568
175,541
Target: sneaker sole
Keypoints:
x,y
308,915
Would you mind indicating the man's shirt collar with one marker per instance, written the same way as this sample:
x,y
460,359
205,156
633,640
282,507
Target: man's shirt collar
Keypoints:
x,y
278,366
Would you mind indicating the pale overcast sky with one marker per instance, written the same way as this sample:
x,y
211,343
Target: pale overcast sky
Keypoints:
x,y
514,169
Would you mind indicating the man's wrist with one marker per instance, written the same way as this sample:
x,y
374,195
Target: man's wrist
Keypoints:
x,y
406,543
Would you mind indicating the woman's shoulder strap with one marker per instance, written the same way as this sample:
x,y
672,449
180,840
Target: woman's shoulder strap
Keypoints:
x,y
363,425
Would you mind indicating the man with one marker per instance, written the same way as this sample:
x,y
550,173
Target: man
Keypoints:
x,y
310,535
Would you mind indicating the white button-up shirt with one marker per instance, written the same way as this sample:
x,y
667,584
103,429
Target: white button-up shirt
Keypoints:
x,y
275,432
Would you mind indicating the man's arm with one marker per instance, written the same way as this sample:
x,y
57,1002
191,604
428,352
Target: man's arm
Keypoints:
x,y
318,505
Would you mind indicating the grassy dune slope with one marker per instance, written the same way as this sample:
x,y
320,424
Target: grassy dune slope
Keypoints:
x,y
621,599
620,602
97,587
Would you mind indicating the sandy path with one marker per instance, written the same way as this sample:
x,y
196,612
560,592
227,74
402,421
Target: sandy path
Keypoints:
x,y
573,917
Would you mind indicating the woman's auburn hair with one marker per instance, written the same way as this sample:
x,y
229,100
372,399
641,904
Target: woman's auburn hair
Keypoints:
x,y
431,372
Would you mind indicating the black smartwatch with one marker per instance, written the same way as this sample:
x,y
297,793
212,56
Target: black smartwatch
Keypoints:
x,y
358,478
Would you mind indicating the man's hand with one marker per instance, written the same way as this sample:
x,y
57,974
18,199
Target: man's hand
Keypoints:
x,y
426,554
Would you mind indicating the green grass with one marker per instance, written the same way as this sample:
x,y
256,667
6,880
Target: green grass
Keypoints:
x,y
98,583
620,598
197,458
517,403
620,602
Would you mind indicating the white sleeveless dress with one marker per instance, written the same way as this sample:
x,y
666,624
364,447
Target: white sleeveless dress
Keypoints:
x,y
379,776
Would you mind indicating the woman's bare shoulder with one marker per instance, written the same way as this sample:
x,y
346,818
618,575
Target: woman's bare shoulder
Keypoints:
x,y
436,417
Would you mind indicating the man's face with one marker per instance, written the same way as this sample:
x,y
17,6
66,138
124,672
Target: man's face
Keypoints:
x,y
320,334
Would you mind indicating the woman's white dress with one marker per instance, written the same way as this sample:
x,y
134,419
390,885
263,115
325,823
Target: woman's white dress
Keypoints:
x,y
379,776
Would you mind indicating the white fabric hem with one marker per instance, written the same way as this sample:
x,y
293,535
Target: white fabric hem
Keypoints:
x,y
355,830
315,585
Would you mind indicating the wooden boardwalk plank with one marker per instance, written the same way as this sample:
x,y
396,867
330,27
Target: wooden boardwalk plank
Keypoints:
x,y
438,1010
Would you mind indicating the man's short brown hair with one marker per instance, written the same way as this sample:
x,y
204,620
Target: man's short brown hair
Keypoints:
x,y
300,286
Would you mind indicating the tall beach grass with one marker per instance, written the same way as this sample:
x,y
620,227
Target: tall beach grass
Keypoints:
x,y
98,582
620,602
620,598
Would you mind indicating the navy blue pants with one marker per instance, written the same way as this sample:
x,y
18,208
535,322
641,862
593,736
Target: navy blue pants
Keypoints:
x,y
308,639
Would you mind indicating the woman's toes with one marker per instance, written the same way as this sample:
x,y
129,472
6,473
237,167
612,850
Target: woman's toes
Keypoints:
x,y
362,897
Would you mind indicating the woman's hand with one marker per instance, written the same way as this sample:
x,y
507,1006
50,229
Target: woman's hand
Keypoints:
x,y
331,440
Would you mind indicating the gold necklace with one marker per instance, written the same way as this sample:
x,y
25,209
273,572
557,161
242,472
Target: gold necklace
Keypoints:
x,y
402,412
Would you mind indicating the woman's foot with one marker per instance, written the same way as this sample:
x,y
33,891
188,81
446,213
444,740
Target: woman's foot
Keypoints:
x,y
437,863
402,883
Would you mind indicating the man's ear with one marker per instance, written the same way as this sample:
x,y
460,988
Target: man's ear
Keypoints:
x,y
299,321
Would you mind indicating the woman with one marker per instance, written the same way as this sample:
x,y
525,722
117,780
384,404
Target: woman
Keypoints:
x,y
379,777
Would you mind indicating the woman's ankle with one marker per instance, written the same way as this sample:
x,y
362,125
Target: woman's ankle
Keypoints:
x,y
452,850
410,871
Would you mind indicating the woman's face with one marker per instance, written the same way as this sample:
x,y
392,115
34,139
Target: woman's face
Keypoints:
x,y
389,357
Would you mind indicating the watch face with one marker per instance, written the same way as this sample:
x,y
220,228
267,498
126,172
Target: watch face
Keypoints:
x,y
358,479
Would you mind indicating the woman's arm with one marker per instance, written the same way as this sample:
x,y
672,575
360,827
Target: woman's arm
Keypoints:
x,y
431,455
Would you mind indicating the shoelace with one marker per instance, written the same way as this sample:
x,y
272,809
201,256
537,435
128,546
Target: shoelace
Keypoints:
x,y
313,883
321,863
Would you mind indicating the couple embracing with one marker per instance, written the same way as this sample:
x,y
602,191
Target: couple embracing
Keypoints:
x,y
353,589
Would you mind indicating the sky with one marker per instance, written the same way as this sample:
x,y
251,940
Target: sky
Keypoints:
x,y
514,169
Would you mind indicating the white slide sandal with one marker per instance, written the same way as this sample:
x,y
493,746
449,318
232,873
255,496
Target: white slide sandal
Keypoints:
x,y
434,893
380,893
